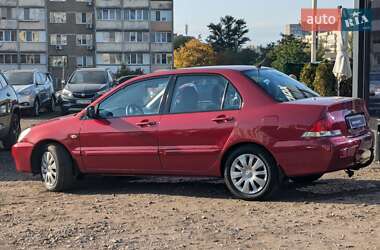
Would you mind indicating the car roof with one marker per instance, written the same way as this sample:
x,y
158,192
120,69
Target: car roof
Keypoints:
x,y
22,70
92,69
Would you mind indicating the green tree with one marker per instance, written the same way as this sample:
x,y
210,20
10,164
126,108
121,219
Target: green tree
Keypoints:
x,y
125,71
194,53
325,82
288,50
246,56
228,34
180,41
308,74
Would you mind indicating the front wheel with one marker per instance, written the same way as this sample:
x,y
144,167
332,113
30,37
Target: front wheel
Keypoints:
x,y
56,168
251,173
14,132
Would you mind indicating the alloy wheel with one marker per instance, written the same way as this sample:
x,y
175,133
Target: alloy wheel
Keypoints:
x,y
49,169
249,174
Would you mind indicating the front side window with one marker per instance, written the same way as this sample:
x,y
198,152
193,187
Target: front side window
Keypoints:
x,y
142,98
279,86
198,94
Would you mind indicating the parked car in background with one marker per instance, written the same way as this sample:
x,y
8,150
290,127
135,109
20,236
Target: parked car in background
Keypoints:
x,y
9,114
34,90
123,79
83,87
252,126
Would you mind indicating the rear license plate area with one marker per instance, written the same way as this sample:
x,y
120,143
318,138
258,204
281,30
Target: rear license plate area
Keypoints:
x,y
356,121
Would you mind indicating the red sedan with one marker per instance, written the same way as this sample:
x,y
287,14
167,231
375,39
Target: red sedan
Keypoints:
x,y
252,126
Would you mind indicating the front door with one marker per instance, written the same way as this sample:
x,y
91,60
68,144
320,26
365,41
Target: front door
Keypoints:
x,y
202,115
124,138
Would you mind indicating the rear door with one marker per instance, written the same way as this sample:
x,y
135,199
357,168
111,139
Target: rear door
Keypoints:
x,y
197,123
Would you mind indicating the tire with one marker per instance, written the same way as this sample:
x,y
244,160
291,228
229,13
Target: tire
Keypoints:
x,y
306,179
52,105
55,160
36,108
64,111
14,132
262,176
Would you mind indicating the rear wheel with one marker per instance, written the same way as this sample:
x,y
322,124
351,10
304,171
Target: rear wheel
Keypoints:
x,y
14,132
56,168
251,173
36,108
52,104
306,179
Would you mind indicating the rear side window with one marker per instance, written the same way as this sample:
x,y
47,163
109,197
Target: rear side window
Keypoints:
x,y
279,86
232,99
198,93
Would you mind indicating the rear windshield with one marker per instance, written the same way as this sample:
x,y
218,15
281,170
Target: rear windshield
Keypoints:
x,y
19,78
88,77
279,86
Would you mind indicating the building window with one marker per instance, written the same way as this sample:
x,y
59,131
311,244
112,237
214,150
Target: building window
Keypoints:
x,y
8,58
162,15
162,58
84,18
162,37
58,39
32,36
137,36
109,14
8,36
136,14
57,61
109,37
8,13
84,40
32,14
134,58
107,58
30,59
85,61
57,17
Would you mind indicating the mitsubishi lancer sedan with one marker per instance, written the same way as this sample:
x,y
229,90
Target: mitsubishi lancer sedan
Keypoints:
x,y
254,127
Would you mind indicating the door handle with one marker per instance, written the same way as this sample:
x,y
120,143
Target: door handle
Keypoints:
x,y
146,123
223,118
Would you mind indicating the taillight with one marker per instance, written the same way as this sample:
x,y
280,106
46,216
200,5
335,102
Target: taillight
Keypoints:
x,y
326,127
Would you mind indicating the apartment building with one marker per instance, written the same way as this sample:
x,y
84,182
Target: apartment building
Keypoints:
x,y
23,36
295,29
71,35
62,35
137,33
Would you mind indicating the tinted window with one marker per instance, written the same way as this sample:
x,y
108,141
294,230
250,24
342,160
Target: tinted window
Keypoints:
x,y
280,86
143,98
88,77
232,100
19,78
198,94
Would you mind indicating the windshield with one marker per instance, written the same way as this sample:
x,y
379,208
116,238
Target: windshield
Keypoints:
x,y
280,86
19,78
88,77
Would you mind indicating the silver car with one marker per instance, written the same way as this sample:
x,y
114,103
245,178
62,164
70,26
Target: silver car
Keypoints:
x,y
34,89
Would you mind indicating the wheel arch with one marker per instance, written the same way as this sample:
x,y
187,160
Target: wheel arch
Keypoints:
x,y
36,154
233,147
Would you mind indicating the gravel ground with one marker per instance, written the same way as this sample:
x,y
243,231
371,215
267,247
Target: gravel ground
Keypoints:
x,y
173,213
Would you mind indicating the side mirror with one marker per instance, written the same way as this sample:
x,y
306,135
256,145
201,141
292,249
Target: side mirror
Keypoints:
x,y
92,112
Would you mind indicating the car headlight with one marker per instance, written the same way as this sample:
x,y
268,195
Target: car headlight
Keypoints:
x,y
26,92
66,92
23,134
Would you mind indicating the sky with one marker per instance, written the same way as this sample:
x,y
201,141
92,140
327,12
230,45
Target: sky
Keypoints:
x,y
266,19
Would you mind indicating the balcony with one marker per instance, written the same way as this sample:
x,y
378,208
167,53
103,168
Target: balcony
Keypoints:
x,y
136,3
109,25
165,5
109,47
136,47
33,47
8,3
162,26
34,3
162,47
136,25
8,46
32,25
108,3
8,24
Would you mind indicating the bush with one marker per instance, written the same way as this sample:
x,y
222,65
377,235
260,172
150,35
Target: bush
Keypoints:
x,y
308,74
346,88
325,82
125,71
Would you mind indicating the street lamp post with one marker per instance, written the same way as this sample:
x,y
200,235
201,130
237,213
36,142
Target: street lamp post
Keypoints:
x,y
314,34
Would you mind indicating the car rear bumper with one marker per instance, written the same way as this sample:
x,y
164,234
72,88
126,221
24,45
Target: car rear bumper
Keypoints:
x,y
22,155
317,156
